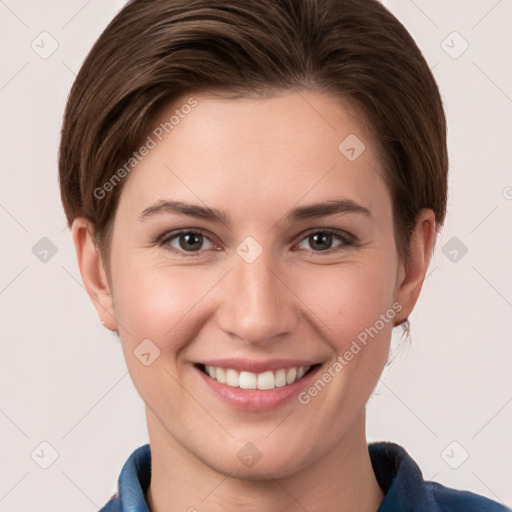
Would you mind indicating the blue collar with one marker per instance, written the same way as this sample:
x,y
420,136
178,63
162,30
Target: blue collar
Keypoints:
x,y
398,475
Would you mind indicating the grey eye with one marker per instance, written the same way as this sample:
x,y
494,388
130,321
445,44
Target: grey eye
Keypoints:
x,y
321,241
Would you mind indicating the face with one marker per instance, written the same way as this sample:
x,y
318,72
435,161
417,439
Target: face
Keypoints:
x,y
248,249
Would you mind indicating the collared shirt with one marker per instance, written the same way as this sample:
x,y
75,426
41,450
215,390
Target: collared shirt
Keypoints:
x,y
397,474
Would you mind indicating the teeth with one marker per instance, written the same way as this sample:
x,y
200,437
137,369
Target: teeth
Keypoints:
x,y
220,375
266,380
280,378
262,381
232,378
247,380
291,375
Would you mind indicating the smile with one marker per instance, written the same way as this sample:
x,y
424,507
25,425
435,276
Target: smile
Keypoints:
x,y
251,385
261,381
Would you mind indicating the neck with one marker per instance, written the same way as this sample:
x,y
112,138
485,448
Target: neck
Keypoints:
x,y
342,480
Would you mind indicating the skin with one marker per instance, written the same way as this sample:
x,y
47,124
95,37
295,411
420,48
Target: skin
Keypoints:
x,y
256,159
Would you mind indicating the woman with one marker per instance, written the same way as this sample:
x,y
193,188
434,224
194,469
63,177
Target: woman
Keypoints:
x,y
254,190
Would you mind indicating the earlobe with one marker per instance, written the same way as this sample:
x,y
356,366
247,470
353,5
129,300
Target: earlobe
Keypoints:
x,y
411,274
93,272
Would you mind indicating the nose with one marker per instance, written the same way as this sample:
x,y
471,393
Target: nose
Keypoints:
x,y
258,305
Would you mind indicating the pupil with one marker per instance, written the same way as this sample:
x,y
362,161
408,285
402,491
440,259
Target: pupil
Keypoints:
x,y
319,239
190,240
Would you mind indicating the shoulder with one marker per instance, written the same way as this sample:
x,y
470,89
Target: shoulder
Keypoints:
x,y
113,505
406,491
449,500
132,484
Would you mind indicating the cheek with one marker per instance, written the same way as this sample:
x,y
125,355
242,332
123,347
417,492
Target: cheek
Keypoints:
x,y
157,312
160,302
349,301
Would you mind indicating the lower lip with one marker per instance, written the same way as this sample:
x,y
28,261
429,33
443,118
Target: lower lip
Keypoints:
x,y
256,399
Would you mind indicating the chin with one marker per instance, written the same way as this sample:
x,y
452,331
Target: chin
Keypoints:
x,y
260,460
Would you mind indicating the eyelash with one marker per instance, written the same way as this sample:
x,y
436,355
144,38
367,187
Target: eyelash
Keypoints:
x,y
346,239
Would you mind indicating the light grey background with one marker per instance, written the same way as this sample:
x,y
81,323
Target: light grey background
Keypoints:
x,y
63,376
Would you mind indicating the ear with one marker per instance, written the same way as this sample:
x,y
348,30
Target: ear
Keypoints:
x,y
93,272
412,273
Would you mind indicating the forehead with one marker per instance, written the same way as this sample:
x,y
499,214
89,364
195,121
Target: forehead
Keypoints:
x,y
252,151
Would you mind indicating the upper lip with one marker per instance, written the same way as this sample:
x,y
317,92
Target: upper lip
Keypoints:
x,y
251,365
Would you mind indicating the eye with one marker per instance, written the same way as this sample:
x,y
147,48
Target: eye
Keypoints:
x,y
322,240
192,242
187,242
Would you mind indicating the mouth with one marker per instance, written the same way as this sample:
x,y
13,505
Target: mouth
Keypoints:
x,y
263,381
269,386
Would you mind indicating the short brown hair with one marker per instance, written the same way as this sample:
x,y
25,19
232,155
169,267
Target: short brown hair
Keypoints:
x,y
155,50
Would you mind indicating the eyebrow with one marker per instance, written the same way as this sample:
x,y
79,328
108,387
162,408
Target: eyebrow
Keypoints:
x,y
312,211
